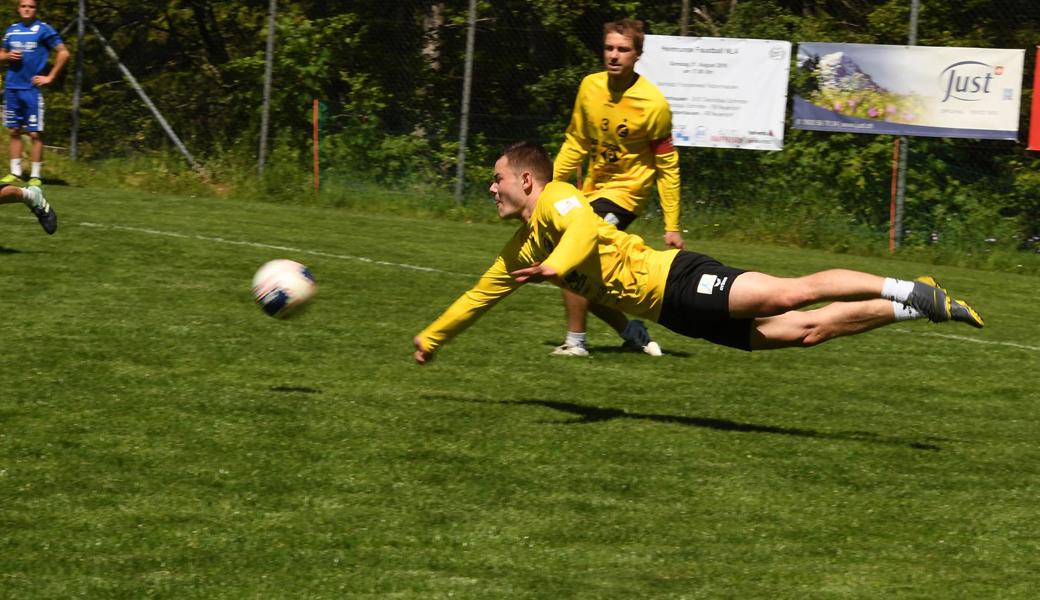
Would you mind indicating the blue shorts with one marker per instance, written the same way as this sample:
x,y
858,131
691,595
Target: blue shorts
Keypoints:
x,y
23,109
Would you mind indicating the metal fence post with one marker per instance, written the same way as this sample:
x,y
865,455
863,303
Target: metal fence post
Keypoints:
x,y
467,84
904,141
265,113
78,81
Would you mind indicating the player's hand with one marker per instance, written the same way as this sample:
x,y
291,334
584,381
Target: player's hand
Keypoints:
x,y
41,81
422,356
14,55
673,239
536,273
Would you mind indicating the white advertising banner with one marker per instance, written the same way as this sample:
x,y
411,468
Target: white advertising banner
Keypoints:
x,y
909,90
724,92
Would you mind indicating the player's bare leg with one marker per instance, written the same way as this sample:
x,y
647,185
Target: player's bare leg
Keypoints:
x,y
811,327
15,175
577,309
32,196
633,332
36,156
759,295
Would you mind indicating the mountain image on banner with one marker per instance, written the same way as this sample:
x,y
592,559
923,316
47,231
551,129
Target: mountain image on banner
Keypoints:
x,y
837,72
835,82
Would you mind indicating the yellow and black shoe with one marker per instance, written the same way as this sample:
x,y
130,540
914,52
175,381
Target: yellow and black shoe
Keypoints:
x,y
935,303
963,312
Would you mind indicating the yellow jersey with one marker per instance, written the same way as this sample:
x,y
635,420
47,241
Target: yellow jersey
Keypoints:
x,y
629,137
590,256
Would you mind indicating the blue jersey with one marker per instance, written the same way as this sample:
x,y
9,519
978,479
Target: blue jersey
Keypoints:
x,y
35,42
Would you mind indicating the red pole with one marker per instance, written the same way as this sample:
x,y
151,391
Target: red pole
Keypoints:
x,y
1034,120
315,119
892,204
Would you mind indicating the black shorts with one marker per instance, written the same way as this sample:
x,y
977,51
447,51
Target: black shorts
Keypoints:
x,y
696,301
612,213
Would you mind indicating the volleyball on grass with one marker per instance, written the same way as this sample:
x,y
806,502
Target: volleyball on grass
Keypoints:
x,y
282,287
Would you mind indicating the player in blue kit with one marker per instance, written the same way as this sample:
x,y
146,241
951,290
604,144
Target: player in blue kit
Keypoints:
x,y
26,49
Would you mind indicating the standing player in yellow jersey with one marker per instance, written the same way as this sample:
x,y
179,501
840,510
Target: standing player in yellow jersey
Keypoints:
x,y
623,122
561,240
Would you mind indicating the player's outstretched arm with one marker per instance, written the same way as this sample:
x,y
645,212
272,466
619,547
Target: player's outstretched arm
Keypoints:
x,y
422,356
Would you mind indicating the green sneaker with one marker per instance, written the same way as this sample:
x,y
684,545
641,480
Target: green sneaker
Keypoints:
x,y
10,179
935,302
34,181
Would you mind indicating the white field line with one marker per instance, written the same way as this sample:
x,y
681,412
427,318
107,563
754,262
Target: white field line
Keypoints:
x,y
964,338
220,240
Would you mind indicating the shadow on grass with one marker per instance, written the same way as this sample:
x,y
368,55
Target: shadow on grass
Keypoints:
x,y
594,414
4,250
617,349
294,389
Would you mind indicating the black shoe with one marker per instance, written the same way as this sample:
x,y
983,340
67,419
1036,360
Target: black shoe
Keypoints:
x,y
961,311
44,214
935,302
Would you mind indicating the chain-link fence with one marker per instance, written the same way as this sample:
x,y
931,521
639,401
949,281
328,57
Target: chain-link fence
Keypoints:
x,y
390,76
529,60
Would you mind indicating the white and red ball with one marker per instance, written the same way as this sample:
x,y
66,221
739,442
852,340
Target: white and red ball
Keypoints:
x,y
282,287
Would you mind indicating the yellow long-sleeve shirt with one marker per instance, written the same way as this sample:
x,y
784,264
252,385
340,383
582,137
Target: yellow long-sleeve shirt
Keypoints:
x,y
630,139
590,256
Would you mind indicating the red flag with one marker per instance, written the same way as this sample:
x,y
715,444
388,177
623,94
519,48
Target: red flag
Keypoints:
x,y
1034,120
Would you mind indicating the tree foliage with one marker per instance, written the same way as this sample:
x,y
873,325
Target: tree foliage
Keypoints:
x,y
390,76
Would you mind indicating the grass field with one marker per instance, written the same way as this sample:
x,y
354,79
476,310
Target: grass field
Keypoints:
x,y
161,438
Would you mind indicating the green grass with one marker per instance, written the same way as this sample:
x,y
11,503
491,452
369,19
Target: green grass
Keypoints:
x,y
161,438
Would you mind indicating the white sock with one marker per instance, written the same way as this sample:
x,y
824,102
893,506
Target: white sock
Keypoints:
x,y
16,166
575,338
897,289
36,166
29,197
904,312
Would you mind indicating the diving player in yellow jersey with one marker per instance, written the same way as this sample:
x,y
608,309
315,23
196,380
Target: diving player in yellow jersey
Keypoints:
x,y
561,240
622,123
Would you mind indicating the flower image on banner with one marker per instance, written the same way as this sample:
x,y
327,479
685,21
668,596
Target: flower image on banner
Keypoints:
x,y
908,90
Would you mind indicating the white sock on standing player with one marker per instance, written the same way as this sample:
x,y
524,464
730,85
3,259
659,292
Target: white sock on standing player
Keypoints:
x,y
36,167
575,339
16,166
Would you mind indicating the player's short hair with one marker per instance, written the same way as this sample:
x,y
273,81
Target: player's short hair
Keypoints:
x,y
633,28
529,156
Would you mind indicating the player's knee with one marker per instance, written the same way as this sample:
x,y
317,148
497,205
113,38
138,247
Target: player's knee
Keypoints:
x,y
792,297
818,333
